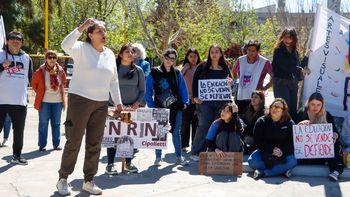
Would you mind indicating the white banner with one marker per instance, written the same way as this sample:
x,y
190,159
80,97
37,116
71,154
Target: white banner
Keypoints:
x,y
148,129
214,90
330,62
313,141
2,33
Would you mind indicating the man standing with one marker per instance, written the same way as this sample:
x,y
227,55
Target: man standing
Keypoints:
x,y
15,75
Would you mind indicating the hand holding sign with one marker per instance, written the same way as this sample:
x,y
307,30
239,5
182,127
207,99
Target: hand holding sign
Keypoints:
x,y
6,64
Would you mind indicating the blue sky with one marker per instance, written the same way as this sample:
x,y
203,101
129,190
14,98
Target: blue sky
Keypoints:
x,y
295,5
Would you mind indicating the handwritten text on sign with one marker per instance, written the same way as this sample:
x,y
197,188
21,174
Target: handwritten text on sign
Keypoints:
x,y
214,90
313,141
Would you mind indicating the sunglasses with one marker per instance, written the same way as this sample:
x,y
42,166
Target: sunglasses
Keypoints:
x,y
51,57
277,108
173,59
15,38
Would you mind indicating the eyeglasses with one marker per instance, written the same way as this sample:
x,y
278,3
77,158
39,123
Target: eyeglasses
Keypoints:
x,y
15,38
277,108
51,57
173,59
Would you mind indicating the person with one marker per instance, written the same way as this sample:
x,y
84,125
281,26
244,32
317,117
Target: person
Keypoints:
x,y
166,88
255,110
287,69
273,136
224,133
315,113
190,119
132,90
207,111
15,75
251,70
139,58
95,75
48,83
6,129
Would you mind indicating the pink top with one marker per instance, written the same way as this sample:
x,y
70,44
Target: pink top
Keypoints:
x,y
267,69
188,72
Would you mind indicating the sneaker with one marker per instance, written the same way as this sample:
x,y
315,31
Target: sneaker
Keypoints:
x,y
194,157
111,170
91,188
158,162
42,149
4,142
258,174
129,167
18,160
57,148
181,160
63,187
288,174
334,175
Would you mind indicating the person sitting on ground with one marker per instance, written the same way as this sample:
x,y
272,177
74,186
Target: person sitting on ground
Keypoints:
x,y
255,110
224,133
315,113
273,136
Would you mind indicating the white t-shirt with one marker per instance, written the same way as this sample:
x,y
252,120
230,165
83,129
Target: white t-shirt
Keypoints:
x,y
95,73
14,80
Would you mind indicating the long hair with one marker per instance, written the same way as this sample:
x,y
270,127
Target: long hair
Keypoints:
x,y
189,51
130,73
250,114
321,116
293,34
285,114
222,62
233,124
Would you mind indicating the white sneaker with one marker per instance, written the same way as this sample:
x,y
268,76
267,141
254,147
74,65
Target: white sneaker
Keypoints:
x,y
92,188
181,161
63,187
194,157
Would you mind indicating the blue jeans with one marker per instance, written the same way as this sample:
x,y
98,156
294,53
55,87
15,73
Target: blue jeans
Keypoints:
x,y
7,126
52,112
207,112
176,136
256,163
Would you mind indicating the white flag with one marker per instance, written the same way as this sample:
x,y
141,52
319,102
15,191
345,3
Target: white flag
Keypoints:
x,y
2,32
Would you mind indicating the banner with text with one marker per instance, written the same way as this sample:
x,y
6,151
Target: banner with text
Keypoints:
x,y
313,141
330,62
148,129
214,90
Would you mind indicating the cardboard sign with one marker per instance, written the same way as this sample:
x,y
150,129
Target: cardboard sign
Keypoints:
x,y
214,90
313,141
209,163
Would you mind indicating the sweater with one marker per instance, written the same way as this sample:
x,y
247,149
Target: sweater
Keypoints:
x,y
95,73
132,90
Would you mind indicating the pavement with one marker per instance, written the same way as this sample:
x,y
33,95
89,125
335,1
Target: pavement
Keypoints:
x,y
39,177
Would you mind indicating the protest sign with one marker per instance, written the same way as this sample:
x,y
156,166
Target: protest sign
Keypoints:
x,y
231,164
313,141
214,90
329,62
148,129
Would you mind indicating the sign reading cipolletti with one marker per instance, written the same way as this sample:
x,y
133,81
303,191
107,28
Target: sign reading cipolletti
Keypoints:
x,y
214,90
147,130
313,141
231,164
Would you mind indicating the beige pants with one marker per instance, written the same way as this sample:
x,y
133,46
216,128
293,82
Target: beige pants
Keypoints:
x,y
83,115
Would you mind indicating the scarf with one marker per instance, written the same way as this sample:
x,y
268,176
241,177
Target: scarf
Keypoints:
x,y
54,83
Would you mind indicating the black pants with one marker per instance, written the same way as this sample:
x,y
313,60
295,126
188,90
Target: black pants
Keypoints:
x,y
111,155
18,115
288,90
242,105
189,123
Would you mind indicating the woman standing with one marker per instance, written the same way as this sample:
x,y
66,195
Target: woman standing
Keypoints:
x,y
139,58
95,75
132,90
166,88
190,119
287,68
273,136
208,111
315,113
48,83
